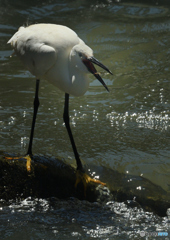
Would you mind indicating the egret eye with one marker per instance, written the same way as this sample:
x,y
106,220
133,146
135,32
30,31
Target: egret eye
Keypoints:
x,y
80,54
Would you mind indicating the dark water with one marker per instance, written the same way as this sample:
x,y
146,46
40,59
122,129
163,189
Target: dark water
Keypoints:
x,y
74,219
126,129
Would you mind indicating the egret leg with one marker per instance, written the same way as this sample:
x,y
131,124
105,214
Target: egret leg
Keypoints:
x,y
29,152
36,105
67,123
81,176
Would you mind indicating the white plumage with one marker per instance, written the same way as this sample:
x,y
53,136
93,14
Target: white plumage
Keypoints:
x,y
54,52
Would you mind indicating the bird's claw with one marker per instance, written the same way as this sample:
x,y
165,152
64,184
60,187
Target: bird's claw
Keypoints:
x,y
27,157
85,179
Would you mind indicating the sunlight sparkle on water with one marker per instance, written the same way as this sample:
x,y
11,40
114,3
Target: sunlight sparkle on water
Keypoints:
x,y
148,119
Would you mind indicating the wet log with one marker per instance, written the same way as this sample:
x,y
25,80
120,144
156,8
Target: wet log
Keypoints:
x,y
53,177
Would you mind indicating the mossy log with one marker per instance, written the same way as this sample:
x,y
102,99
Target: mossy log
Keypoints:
x,y
52,177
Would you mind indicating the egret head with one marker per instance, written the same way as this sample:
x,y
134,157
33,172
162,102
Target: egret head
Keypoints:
x,y
83,55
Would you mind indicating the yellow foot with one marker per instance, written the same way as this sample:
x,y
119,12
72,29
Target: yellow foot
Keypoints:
x,y
85,179
27,157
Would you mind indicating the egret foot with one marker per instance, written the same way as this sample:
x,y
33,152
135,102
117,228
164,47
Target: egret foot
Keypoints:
x,y
85,179
27,157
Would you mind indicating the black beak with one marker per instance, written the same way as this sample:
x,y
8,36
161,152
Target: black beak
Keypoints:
x,y
95,61
88,62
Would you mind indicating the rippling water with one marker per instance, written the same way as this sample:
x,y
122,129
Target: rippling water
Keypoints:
x,y
126,129
74,219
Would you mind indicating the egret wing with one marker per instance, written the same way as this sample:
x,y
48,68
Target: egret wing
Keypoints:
x,y
37,56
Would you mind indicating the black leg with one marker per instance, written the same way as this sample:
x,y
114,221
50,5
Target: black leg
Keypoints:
x,y
67,123
36,105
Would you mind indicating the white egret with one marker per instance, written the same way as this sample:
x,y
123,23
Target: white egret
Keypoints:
x,y
57,54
